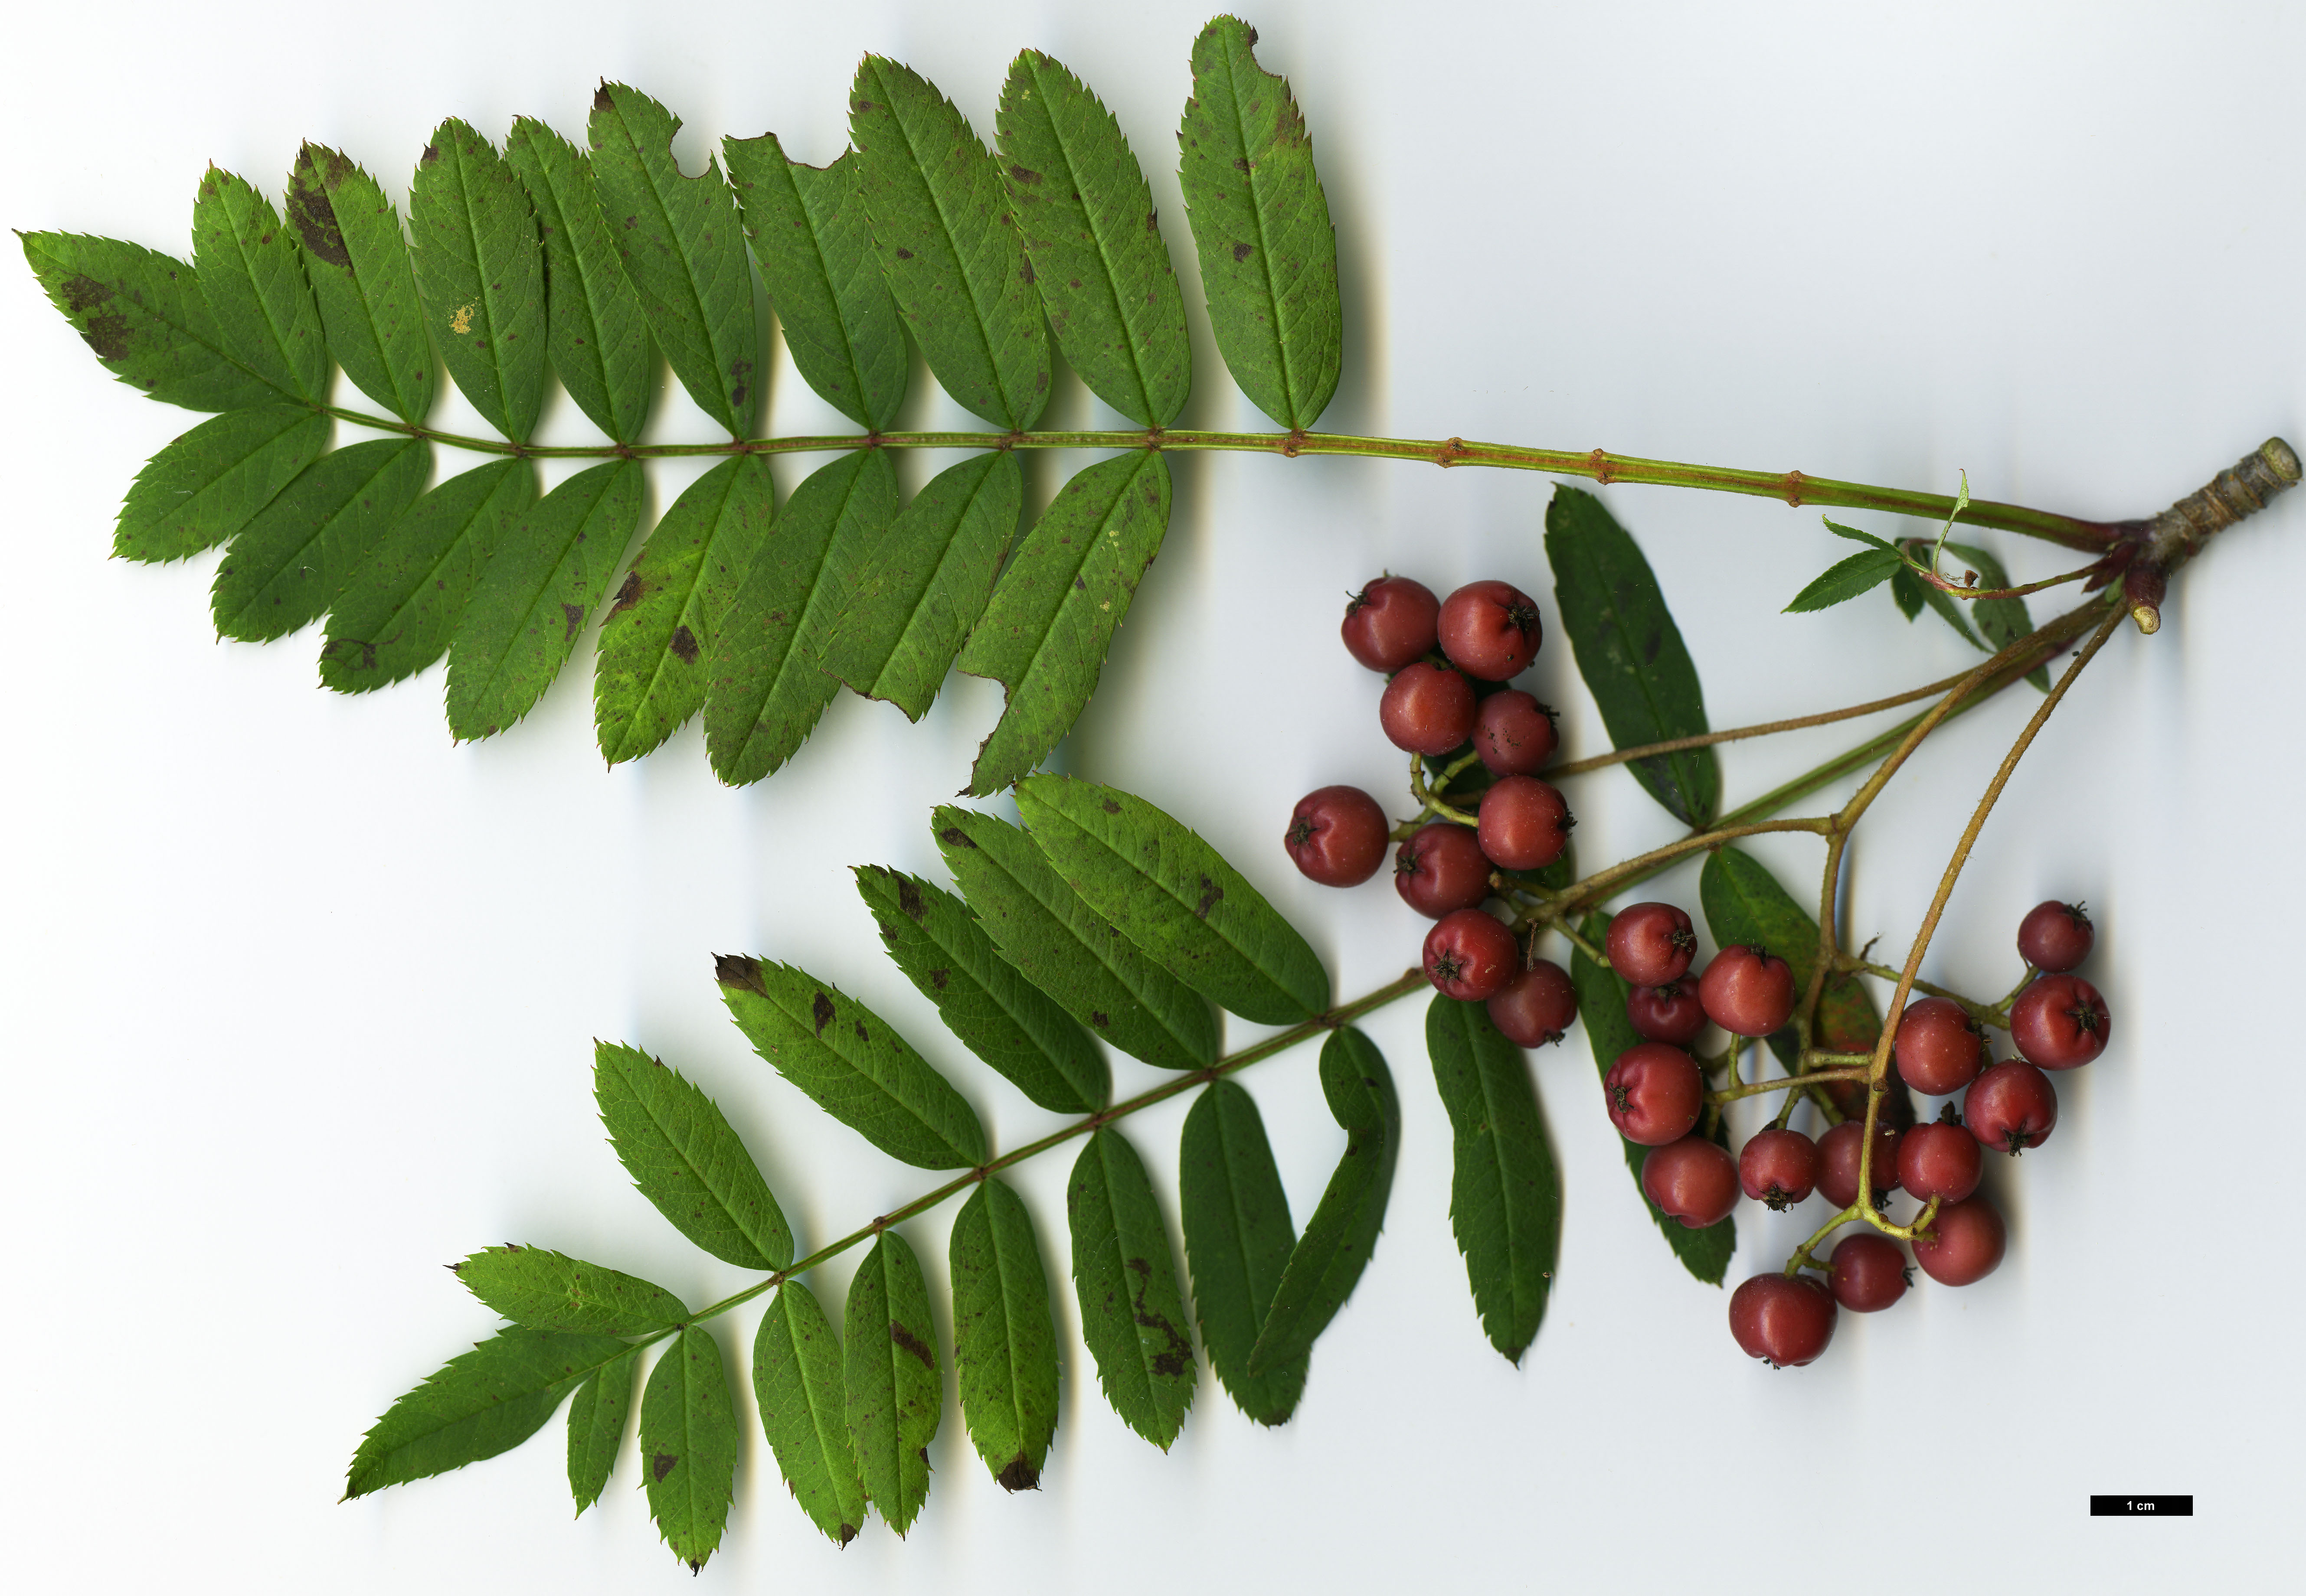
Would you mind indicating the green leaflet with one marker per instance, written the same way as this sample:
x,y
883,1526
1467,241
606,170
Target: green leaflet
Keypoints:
x,y
847,1058
400,606
1745,905
1175,897
1131,1315
983,999
1045,634
287,565
895,1391
480,271
684,252
596,331
1630,651
686,1158
1504,1192
942,232
2003,620
550,1291
209,484
1329,1259
915,590
1601,1006
548,572
656,641
1046,930
798,1386
1094,240
1261,226
357,259
1004,1343
1906,589
596,1427
1238,1238
808,230
254,282
767,691
478,1403
1845,579
689,1446
146,318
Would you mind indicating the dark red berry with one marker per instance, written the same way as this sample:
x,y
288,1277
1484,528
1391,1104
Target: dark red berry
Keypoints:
x,y
1442,870
1390,622
1747,991
2060,1023
1513,734
1650,943
1869,1273
1692,1181
1470,955
2011,1107
1778,1167
1489,629
1337,836
1965,1243
1940,1160
1538,1006
1653,1093
1667,1013
2053,937
1836,1162
1939,1047
1525,822
1426,709
1784,1320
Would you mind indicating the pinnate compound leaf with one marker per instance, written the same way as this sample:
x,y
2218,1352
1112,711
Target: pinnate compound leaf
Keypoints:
x,y
1045,929
1845,579
983,999
686,1158
357,259
915,590
480,271
146,318
809,235
846,1057
595,329
689,1446
952,258
767,689
2003,620
1173,896
656,641
1630,653
1094,239
1132,1316
596,1427
1004,1342
1745,905
548,573
803,1398
400,606
286,565
477,1404
684,250
209,484
550,1291
1238,1238
1505,1192
1261,226
895,1390
1045,634
255,285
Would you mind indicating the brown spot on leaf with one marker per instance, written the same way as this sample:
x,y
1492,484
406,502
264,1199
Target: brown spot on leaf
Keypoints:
x,y
957,836
904,254
575,617
83,291
861,1035
107,335
909,899
431,153
684,644
1152,221
912,1344
315,219
737,970
938,977
821,1011
663,1464
1109,806
1180,1353
1241,252
602,100
1099,1019
847,1534
629,594
1080,585
1020,1474
1026,175
1211,894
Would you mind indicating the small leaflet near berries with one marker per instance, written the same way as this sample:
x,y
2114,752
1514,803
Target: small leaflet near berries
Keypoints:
x,y
1004,1342
596,331
688,1160
688,1445
550,1291
894,1385
1238,1238
357,259
1132,1316
802,1396
480,271
2003,620
209,484
287,565
253,275
596,1427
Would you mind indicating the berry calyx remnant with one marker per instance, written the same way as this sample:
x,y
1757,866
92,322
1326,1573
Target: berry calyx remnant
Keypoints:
x,y
1490,630
1747,991
1778,1167
2060,1023
1838,1153
1440,870
1650,943
1390,622
1470,955
1691,1179
1538,1006
2054,937
1653,1093
2011,1107
1784,1320
1667,1013
1337,836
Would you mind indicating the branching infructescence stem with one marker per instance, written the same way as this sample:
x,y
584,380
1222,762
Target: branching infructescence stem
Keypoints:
x,y
1755,1088
1602,882
1426,795
1977,1010
1956,590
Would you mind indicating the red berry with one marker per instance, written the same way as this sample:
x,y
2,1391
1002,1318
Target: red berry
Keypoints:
x,y
1337,836
1391,622
1692,1181
1939,1047
1965,1243
1538,1006
2056,937
1470,955
1940,1160
1836,1162
1667,1013
1489,629
2011,1107
1869,1273
1525,822
1442,870
1778,1167
1784,1320
1426,709
1513,734
1654,1093
1747,991
2060,1023
1650,943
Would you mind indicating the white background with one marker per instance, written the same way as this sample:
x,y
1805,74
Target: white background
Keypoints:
x,y
299,998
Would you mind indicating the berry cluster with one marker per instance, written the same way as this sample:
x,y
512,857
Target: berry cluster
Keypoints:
x,y
1446,661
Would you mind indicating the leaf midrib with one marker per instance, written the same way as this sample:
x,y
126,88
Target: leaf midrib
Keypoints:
x,y
577,532
696,1172
321,531
1117,512
1256,218
249,262
1490,1123
864,1073
663,653
360,291
825,271
595,347
808,609
465,154
1671,763
680,241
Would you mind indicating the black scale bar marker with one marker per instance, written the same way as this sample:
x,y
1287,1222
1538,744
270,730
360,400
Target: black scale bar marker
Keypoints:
x,y
2141,1507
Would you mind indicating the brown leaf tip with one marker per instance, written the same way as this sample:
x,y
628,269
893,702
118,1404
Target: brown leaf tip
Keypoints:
x,y
1019,1475
738,969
